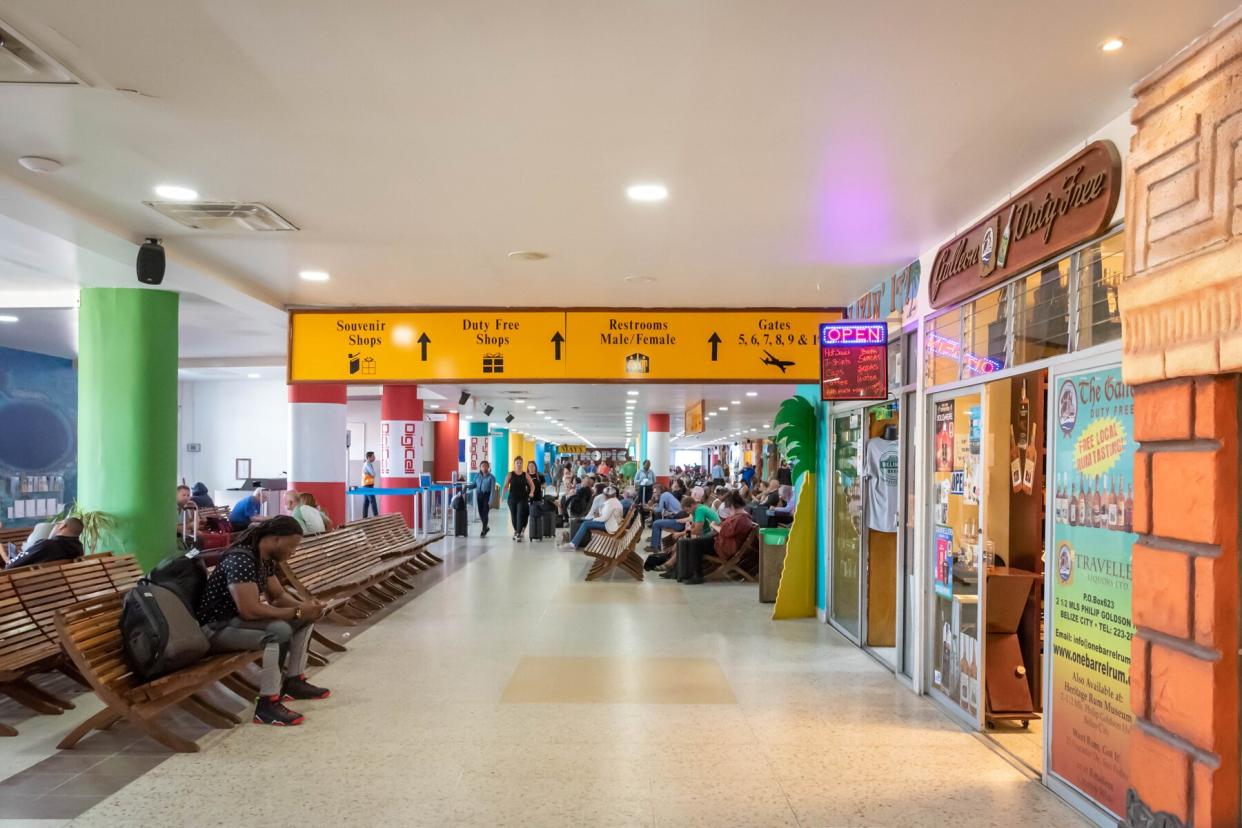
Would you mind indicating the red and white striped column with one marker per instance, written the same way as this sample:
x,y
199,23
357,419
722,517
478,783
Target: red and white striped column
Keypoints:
x,y
657,445
401,447
318,457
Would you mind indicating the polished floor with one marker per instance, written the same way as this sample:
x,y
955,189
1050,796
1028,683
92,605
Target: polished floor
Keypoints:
x,y
509,692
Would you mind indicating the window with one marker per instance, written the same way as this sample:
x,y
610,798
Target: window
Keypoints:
x,y
1064,306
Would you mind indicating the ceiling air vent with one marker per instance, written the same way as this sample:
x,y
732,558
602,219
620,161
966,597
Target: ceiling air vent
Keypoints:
x,y
222,216
23,62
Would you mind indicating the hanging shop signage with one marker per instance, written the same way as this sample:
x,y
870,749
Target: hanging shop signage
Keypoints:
x,y
501,345
695,420
853,360
898,293
1093,504
1072,204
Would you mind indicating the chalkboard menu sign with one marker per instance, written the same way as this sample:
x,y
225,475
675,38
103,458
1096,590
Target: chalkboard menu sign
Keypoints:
x,y
853,360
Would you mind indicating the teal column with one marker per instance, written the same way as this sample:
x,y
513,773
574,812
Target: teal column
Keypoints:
x,y
476,430
127,417
500,454
823,474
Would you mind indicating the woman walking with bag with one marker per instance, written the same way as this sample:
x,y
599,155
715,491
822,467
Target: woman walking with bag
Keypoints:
x,y
536,501
518,484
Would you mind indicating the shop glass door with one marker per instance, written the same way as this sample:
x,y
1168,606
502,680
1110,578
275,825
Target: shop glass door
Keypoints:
x,y
955,546
844,608
880,465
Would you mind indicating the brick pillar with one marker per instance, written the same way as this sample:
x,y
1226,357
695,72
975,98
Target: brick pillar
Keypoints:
x,y
1182,343
1184,674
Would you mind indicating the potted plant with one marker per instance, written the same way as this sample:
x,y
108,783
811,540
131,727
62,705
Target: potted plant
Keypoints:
x,y
97,527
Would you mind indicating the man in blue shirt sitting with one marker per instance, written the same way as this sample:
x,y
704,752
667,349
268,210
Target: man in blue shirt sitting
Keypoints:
x,y
667,506
246,511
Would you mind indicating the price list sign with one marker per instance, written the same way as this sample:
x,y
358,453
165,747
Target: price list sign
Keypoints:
x,y
853,360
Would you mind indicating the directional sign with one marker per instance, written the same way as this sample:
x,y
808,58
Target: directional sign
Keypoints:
x,y
763,345
500,345
485,344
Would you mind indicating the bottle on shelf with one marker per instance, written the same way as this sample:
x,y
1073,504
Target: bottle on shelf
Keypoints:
x,y
1127,522
1015,462
1113,516
1073,505
1032,455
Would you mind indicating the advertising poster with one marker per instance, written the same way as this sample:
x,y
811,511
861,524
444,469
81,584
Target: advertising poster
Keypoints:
x,y
944,562
1093,502
944,436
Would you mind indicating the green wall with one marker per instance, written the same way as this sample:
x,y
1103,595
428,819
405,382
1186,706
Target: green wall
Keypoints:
x,y
127,416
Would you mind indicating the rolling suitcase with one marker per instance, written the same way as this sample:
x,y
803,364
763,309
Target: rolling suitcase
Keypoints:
x,y
536,526
459,516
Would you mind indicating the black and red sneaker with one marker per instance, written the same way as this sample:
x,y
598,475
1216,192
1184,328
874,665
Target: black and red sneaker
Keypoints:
x,y
270,711
297,688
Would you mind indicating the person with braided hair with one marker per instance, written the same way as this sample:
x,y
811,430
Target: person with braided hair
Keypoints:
x,y
245,607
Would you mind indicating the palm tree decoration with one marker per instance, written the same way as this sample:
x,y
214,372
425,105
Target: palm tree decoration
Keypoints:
x,y
797,435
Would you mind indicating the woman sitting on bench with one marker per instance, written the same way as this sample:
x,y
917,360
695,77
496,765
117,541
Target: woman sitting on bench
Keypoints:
x,y
609,519
244,607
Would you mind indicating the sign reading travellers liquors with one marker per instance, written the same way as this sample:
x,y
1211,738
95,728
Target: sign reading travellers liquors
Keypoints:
x,y
1072,204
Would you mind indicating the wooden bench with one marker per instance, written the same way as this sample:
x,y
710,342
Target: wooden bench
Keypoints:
x,y
29,599
343,570
616,549
90,633
392,537
17,537
742,566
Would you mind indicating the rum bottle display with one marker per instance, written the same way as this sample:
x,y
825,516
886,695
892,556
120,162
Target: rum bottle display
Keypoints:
x,y
1127,523
1113,517
1073,505
1028,469
1015,462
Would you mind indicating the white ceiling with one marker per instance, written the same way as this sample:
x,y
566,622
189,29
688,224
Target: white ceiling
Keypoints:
x,y
811,144
598,412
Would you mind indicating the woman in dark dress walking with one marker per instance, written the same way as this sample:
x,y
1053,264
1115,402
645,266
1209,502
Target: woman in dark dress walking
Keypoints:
x,y
518,485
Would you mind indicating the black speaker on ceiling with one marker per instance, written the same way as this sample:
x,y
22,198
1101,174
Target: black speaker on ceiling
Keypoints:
x,y
509,418
465,397
150,264
487,410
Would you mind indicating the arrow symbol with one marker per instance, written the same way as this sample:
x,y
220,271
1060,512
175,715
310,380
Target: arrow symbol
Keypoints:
x,y
557,339
715,340
423,340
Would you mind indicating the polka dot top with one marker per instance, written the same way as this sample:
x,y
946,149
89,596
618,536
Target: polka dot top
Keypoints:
x,y
240,565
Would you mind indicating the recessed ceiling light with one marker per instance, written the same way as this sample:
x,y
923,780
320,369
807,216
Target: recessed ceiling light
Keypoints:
x,y
646,192
632,393
252,376
8,318
433,405
530,408
735,402
1112,44
39,164
528,255
640,280
752,393
314,275
469,416
538,412
711,413
724,408
173,192
766,425
519,401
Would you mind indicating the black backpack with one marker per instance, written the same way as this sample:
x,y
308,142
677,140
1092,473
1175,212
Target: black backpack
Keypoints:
x,y
158,629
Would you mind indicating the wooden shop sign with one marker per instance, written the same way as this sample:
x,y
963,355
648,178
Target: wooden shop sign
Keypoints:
x,y
1072,204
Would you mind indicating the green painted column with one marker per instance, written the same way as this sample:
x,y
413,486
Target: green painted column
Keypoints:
x,y
127,417
500,454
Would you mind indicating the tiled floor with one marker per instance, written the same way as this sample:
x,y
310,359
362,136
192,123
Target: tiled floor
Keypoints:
x,y
510,693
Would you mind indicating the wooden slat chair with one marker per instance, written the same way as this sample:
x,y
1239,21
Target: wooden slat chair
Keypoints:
x,y
743,566
393,537
616,549
342,570
17,537
90,633
29,599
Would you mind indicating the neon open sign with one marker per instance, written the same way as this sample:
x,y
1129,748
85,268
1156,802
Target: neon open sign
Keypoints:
x,y
853,360
837,334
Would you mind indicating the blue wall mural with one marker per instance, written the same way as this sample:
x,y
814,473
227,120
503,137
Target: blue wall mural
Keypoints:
x,y
38,436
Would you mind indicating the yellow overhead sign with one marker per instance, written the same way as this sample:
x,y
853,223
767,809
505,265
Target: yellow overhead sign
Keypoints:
x,y
498,345
399,346
764,345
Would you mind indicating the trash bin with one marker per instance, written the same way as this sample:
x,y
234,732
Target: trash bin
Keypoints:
x,y
771,562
